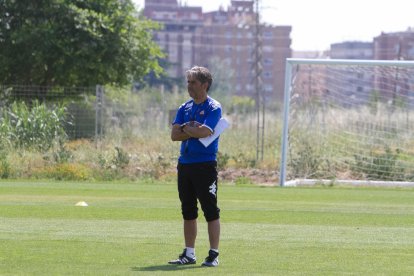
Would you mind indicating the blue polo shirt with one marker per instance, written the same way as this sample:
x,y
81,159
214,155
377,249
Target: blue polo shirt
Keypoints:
x,y
207,113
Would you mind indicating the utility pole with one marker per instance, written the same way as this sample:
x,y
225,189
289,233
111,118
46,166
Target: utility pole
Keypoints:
x,y
396,88
260,99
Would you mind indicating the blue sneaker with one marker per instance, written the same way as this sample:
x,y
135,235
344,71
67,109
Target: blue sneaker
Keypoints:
x,y
183,259
212,259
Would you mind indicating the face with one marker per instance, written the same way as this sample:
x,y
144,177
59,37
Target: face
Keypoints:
x,y
195,88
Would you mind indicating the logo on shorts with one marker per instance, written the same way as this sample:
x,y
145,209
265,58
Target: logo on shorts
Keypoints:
x,y
213,188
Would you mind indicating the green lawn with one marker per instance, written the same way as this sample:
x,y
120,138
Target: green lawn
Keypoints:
x,y
135,228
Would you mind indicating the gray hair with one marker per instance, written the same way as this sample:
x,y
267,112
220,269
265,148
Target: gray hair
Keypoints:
x,y
202,74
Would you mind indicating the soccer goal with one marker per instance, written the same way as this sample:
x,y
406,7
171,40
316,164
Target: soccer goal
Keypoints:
x,y
348,121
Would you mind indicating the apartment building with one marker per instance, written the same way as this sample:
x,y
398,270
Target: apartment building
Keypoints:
x,y
191,37
176,37
356,85
398,45
395,46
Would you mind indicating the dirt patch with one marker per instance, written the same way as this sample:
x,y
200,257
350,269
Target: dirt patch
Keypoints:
x,y
256,176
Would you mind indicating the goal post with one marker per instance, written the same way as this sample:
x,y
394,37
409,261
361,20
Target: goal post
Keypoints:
x,y
349,121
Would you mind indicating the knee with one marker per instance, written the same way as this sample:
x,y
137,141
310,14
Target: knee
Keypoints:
x,y
189,213
211,213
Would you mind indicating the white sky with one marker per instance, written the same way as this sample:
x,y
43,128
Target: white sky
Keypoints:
x,y
318,23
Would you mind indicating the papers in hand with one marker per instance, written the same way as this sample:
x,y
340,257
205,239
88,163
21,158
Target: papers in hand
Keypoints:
x,y
220,127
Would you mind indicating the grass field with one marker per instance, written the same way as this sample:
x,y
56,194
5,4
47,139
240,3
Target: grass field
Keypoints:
x,y
135,228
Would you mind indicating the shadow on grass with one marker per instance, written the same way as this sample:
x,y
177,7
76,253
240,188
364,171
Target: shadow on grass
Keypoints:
x,y
167,267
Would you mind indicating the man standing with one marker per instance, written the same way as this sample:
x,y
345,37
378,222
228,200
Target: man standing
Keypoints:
x,y
197,165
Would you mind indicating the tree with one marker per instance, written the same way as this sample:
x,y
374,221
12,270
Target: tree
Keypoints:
x,y
75,43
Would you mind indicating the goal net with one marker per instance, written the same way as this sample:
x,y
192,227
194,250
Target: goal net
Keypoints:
x,y
348,121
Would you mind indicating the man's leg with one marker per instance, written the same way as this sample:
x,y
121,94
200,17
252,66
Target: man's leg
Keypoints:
x,y
214,233
214,237
189,210
190,232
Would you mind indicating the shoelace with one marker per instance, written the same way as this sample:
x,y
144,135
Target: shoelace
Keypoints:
x,y
211,257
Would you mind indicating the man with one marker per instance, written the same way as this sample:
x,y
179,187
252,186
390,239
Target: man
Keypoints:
x,y
197,165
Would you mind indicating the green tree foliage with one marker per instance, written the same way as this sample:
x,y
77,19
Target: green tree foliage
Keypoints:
x,y
75,42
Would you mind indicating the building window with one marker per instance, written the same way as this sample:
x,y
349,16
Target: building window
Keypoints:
x,y
267,74
268,88
268,61
268,34
411,52
267,49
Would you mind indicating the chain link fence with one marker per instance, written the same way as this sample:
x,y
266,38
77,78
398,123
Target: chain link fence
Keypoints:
x,y
115,132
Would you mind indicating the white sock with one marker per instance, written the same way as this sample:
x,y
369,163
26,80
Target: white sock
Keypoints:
x,y
215,250
190,252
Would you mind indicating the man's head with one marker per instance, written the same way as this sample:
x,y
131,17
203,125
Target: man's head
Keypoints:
x,y
201,74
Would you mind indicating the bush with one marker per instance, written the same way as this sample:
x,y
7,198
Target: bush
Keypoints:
x,y
5,170
222,160
33,127
381,165
65,171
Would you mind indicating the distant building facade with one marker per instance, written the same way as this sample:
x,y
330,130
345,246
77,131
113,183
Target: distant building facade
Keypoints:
x,y
191,37
398,45
395,46
310,80
352,50
357,86
177,36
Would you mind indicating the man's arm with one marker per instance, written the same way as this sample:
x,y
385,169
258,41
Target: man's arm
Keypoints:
x,y
177,133
197,130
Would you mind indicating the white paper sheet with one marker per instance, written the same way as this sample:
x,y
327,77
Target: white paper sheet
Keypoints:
x,y
220,127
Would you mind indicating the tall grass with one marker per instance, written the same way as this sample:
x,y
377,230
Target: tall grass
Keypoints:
x,y
323,143
334,142
136,141
32,125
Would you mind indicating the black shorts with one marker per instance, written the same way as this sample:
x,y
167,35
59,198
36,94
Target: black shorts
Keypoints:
x,y
198,181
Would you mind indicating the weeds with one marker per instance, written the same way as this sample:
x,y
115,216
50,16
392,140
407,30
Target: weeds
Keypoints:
x,y
121,158
65,171
33,126
381,166
307,162
222,160
5,170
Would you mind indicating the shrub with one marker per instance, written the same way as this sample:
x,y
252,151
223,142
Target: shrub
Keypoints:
x,y
222,160
65,171
121,159
381,165
242,180
4,166
242,161
33,127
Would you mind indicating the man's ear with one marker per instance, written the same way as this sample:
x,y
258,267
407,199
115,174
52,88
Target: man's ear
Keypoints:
x,y
205,86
